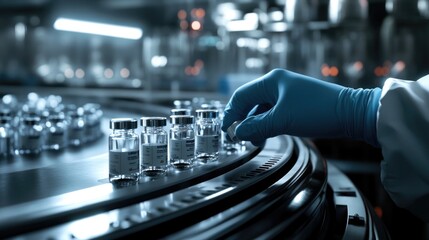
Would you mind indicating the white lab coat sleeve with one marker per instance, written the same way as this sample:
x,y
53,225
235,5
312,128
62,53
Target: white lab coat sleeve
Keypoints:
x,y
403,134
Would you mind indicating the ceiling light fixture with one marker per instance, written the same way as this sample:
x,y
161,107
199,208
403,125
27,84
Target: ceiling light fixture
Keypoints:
x,y
66,24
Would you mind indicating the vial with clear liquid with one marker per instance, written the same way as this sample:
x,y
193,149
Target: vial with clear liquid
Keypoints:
x,y
207,135
124,165
92,116
154,141
55,132
182,141
76,127
29,137
6,137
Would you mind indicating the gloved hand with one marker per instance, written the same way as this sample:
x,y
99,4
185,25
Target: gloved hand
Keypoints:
x,y
284,102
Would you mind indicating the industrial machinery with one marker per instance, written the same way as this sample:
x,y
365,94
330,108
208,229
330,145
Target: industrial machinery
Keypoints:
x,y
133,58
284,189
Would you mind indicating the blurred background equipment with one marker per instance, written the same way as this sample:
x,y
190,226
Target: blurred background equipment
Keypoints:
x,y
84,56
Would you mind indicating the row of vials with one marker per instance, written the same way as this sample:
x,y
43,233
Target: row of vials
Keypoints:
x,y
35,126
156,148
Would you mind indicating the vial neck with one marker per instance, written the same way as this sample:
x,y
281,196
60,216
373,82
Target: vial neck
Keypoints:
x,y
153,128
208,119
123,131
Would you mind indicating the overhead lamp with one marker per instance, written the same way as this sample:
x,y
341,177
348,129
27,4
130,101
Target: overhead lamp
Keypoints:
x,y
72,25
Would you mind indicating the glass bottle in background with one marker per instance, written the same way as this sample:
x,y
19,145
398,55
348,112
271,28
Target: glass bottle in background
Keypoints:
x,y
10,102
7,113
29,137
183,104
124,165
92,115
4,112
154,140
98,118
207,135
182,141
6,137
55,132
197,102
76,127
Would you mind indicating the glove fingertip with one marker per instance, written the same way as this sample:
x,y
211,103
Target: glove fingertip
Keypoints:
x,y
227,121
246,130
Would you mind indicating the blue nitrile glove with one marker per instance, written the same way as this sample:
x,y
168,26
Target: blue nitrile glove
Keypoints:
x,y
284,102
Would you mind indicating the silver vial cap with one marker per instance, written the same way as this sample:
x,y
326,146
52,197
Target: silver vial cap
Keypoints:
x,y
31,120
123,123
153,121
182,119
207,113
5,113
56,118
4,120
231,131
180,111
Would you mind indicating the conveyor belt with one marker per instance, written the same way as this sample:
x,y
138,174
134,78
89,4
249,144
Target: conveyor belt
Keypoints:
x,y
281,189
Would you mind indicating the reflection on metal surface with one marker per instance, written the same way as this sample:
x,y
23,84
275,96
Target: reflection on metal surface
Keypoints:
x,y
20,30
91,226
299,199
84,196
300,11
407,10
342,11
217,194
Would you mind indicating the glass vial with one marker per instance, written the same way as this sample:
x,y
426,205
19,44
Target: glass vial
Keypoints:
x,y
92,117
55,132
124,165
29,136
207,135
76,127
154,140
182,141
6,137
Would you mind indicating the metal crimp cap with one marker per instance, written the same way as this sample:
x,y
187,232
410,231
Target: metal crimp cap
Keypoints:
x,y
4,120
153,121
31,120
123,123
182,119
180,111
207,113
231,131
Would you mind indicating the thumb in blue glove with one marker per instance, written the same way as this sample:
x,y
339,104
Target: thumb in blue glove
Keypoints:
x,y
284,102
